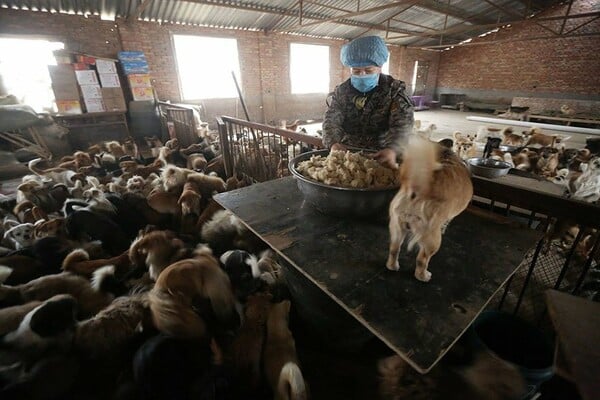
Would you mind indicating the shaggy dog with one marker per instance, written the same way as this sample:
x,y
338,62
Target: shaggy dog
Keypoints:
x,y
435,186
190,199
510,138
280,359
20,236
464,146
185,283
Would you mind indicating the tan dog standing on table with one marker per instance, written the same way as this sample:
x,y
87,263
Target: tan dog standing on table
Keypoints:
x,y
435,186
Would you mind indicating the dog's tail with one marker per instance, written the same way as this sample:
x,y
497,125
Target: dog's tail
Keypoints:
x,y
32,165
291,383
420,161
507,131
73,258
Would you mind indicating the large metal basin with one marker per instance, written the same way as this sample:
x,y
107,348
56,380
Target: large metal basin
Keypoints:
x,y
340,201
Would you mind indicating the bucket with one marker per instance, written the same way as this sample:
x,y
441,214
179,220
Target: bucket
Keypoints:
x,y
517,342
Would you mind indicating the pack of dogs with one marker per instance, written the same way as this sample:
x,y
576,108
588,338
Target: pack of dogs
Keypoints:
x,y
125,272
121,278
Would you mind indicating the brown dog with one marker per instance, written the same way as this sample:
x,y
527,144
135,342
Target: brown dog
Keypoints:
x,y
190,199
78,262
435,186
157,250
510,138
247,347
181,285
280,359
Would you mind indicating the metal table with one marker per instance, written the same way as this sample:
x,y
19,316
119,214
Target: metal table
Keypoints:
x,y
345,258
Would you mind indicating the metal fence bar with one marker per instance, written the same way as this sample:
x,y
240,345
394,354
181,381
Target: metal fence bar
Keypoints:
x,y
538,248
587,265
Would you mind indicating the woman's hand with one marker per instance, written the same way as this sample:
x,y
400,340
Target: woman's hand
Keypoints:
x,y
338,146
386,157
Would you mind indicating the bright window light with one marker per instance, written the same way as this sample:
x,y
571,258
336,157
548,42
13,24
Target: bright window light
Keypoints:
x,y
24,70
309,68
205,65
385,68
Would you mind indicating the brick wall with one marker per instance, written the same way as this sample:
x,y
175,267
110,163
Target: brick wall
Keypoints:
x,y
558,68
264,60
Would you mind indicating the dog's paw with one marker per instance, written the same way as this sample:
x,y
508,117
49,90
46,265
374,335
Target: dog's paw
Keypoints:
x,y
392,265
423,276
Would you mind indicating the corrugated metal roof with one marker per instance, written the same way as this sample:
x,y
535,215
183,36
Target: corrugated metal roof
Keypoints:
x,y
400,22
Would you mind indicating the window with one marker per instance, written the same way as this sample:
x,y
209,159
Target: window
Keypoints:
x,y
24,70
309,68
205,65
385,68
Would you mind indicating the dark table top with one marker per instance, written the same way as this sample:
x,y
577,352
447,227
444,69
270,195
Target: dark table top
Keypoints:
x,y
346,259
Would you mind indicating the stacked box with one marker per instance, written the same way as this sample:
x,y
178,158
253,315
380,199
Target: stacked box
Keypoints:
x,y
64,86
113,99
133,62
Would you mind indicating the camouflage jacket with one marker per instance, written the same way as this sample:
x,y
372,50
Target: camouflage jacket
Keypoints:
x,y
376,120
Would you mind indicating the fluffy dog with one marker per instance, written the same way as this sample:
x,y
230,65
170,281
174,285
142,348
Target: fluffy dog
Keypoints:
x,y
280,359
154,143
54,227
536,137
464,146
164,202
181,285
435,186
157,250
57,175
243,271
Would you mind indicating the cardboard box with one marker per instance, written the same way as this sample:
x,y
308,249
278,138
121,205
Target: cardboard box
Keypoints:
x,y
110,80
69,106
94,105
80,66
62,74
91,92
113,99
86,77
67,91
105,66
139,80
131,56
135,67
115,104
142,93
86,59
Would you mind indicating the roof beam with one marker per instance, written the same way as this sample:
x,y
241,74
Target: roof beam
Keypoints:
x,y
451,11
138,11
357,13
387,22
506,40
517,15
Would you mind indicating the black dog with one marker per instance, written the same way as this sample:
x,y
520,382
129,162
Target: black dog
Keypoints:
x,y
491,144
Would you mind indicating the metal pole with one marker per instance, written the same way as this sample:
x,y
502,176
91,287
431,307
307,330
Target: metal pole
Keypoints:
x,y
237,86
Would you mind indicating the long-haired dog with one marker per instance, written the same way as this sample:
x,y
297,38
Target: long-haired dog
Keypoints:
x,y
47,228
535,137
243,271
247,347
181,286
464,146
435,186
280,359
57,175
157,250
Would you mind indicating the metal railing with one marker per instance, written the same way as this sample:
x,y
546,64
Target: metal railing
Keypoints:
x,y
180,122
259,151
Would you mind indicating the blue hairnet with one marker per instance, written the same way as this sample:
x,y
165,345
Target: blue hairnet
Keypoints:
x,y
364,51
